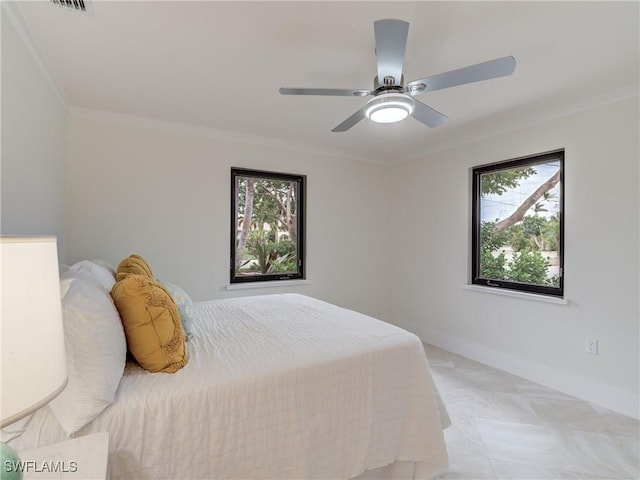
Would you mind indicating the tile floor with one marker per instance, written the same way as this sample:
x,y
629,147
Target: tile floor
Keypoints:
x,y
506,427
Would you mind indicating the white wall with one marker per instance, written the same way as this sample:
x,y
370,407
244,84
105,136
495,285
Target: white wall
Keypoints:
x,y
34,124
163,191
541,341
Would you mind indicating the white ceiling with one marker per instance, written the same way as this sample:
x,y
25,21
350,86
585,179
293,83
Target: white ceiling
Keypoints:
x,y
219,65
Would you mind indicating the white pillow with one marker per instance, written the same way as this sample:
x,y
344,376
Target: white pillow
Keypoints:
x,y
96,353
105,264
98,273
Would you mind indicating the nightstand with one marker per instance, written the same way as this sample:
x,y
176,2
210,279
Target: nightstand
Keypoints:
x,y
82,458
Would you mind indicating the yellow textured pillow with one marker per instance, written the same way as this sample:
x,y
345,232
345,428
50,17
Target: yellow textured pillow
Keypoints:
x,y
151,323
133,264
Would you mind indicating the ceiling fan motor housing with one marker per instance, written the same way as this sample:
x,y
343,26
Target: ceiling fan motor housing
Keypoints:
x,y
388,84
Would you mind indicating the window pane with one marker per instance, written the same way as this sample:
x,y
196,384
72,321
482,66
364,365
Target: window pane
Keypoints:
x,y
267,237
519,225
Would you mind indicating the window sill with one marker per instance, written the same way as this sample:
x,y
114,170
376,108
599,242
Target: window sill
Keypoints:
x,y
276,283
513,293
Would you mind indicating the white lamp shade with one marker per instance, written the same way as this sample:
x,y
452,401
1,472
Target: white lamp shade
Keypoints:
x,y
33,355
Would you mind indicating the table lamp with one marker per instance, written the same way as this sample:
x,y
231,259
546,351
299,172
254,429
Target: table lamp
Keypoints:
x,y
33,369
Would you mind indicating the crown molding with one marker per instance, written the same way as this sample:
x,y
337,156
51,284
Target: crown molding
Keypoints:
x,y
10,9
231,136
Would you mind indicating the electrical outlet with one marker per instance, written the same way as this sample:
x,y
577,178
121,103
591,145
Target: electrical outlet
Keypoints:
x,y
591,346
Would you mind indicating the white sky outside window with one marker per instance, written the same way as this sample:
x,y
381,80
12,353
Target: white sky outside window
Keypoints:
x,y
497,207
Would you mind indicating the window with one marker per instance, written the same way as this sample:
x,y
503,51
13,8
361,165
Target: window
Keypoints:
x,y
267,226
517,224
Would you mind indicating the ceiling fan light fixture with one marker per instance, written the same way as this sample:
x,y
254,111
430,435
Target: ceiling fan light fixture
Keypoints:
x,y
389,108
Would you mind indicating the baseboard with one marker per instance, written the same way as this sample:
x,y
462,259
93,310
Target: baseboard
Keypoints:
x,y
606,396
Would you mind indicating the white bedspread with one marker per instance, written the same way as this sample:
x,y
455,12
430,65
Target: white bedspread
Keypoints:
x,y
277,386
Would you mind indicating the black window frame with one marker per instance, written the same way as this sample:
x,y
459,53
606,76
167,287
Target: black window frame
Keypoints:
x,y
530,160
301,180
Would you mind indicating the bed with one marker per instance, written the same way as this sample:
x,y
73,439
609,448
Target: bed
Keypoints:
x,y
276,386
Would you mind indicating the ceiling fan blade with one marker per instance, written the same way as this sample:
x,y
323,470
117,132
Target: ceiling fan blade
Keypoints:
x,y
391,41
427,115
338,92
351,121
499,67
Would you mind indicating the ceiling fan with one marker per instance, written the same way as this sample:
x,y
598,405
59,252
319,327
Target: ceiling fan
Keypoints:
x,y
393,100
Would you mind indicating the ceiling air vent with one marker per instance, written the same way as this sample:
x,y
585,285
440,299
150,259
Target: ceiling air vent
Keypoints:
x,y
82,6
